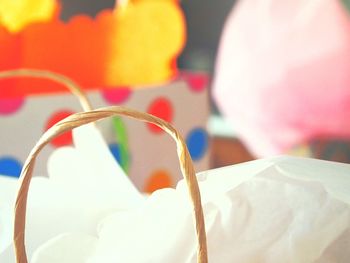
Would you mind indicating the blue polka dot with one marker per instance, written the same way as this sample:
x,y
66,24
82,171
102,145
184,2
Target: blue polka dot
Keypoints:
x,y
121,155
115,149
197,143
10,166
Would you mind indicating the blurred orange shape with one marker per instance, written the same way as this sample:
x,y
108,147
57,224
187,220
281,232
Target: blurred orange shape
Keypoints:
x,y
135,44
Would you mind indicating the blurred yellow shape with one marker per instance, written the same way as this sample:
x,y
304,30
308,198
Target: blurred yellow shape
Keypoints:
x,y
16,14
147,41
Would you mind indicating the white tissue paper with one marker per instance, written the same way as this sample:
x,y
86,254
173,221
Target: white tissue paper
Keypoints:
x,y
282,209
84,185
8,189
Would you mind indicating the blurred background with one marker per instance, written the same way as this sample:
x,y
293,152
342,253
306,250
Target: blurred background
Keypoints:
x,y
205,21
276,73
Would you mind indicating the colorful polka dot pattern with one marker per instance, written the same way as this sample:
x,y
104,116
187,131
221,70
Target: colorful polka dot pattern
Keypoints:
x,y
10,106
64,139
162,108
162,104
197,143
10,166
159,179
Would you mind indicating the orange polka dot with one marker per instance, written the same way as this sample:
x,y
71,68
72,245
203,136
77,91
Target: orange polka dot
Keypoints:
x,y
159,179
64,139
162,108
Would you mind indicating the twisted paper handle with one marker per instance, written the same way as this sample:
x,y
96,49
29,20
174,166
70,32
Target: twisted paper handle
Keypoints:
x,y
43,74
80,119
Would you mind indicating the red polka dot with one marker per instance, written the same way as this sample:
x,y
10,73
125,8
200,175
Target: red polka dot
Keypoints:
x,y
117,95
64,139
10,106
162,108
159,179
197,82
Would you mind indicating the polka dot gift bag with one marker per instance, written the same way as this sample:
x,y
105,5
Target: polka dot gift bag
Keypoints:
x,y
89,165
125,56
126,139
282,209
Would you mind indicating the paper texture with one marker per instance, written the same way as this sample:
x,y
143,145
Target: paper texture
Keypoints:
x,y
274,210
281,209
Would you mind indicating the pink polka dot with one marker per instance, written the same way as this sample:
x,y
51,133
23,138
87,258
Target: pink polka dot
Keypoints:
x,y
10,106
197,82
117,95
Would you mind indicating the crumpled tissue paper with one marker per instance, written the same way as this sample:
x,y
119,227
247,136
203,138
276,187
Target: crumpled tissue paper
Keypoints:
x,y
272,210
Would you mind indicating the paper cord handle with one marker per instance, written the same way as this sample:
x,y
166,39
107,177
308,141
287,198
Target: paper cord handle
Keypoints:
x,y
82,118
43,74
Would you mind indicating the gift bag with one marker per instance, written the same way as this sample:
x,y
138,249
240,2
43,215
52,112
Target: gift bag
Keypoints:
x,y
120,194
281,209
126,139
77,120
275,210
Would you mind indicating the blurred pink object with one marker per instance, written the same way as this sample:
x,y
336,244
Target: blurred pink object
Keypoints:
x,y
283,72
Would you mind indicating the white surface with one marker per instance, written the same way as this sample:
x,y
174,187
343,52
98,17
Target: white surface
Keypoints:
x,y
281,209
8,188
84,185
